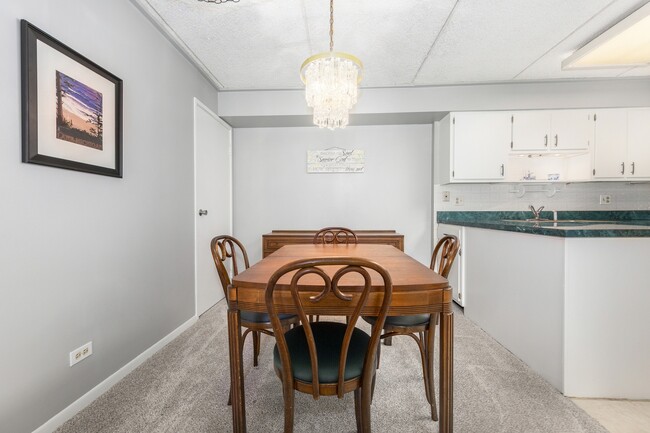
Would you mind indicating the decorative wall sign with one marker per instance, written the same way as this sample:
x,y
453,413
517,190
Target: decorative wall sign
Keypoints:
x,y
72,108
335,160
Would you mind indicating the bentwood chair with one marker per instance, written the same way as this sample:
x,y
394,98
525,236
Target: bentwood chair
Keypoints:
x,y
226,247
335,235
424,325
328,358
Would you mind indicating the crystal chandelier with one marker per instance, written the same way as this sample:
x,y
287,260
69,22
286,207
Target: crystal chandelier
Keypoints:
x,y
331,79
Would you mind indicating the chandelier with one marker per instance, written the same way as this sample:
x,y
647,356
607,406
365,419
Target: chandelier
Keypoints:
x,y
331,79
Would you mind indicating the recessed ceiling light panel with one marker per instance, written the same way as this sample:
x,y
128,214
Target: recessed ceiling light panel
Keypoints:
x,y
627,43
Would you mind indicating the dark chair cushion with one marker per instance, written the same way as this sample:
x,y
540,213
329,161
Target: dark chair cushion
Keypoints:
x,y
250,316
416,320
329,338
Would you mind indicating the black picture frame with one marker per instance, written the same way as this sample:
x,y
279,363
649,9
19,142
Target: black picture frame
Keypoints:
x,y
76,127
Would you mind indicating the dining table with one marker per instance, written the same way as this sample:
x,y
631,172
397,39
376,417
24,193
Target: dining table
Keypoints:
x,y
416,290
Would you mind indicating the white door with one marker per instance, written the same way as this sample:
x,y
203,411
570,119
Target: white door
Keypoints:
x,y
213,199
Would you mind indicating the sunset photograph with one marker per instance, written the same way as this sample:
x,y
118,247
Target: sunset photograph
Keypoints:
x,y
78,112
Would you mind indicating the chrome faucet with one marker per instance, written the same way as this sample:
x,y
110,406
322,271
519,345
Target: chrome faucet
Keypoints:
x,y
536,212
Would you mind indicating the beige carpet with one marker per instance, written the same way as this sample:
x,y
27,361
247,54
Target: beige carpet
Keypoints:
x,y
184,389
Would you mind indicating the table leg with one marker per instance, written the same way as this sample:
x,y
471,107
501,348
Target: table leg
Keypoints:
x,y
236,372
446,373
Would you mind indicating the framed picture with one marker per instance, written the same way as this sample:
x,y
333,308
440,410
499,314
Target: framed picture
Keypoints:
x,y
72,108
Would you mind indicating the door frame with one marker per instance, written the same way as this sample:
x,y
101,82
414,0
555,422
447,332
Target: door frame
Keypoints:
x,y
197,104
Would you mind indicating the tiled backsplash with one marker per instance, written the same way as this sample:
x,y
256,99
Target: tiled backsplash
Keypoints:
x,y
576,196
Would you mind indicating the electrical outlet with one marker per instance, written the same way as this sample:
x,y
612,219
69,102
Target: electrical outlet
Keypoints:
x,y
458,201
81,353
605,199
445,196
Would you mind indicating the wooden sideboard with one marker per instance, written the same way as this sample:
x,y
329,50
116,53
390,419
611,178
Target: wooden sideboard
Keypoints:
x,y
279,238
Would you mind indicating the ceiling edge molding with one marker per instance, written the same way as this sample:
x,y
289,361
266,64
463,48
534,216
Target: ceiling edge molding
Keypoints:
x,y
150,13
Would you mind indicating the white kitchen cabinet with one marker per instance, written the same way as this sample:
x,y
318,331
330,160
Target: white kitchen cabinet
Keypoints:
x,y
530,130
576,146
622,144
610,149
552,130
638,143
456,278
571,129
478,145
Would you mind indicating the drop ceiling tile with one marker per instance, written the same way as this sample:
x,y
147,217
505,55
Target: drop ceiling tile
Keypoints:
x,y
495,40
390,37
549,66
260,44
253,44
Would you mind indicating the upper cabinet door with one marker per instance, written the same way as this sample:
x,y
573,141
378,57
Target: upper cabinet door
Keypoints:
x,y
530,130
610,144
638,143
480,145
571,130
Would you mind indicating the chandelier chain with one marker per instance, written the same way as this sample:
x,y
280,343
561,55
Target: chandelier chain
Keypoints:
x,y
331,25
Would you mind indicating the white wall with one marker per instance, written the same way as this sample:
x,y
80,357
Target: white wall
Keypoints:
x,y
86,257
272,189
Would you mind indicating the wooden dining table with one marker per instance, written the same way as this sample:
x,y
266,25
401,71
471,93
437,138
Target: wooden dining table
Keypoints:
x,y
416,290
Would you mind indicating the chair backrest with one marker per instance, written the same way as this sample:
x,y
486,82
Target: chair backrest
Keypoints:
x,y
444,254
337,301
226,247
335,235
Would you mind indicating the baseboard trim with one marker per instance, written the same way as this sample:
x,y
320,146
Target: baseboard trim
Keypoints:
x,y
57,420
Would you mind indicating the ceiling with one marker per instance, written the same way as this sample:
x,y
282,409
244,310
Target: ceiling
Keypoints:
x,y
260,44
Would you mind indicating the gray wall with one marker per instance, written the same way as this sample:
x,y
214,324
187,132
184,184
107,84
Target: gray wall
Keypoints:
x,y
272,189
86,257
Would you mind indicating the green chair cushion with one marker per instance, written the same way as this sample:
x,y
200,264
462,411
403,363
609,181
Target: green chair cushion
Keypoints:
x,y
415,320
251,316
328,337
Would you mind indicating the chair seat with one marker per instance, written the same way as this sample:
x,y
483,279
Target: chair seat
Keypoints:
x,y
254,317
414,320
328,337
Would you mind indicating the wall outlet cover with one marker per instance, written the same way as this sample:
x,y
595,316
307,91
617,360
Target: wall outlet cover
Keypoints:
x,y
605,199
446,196
81,353
458,201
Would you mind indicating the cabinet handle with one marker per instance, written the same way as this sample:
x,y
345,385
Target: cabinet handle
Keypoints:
x,y
622,168
556,140
502,170
632,168
546,140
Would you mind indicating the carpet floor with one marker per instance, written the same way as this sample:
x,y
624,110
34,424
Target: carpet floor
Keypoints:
x,y
184,389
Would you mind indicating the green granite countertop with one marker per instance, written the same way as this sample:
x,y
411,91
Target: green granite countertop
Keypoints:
x,y
569,224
